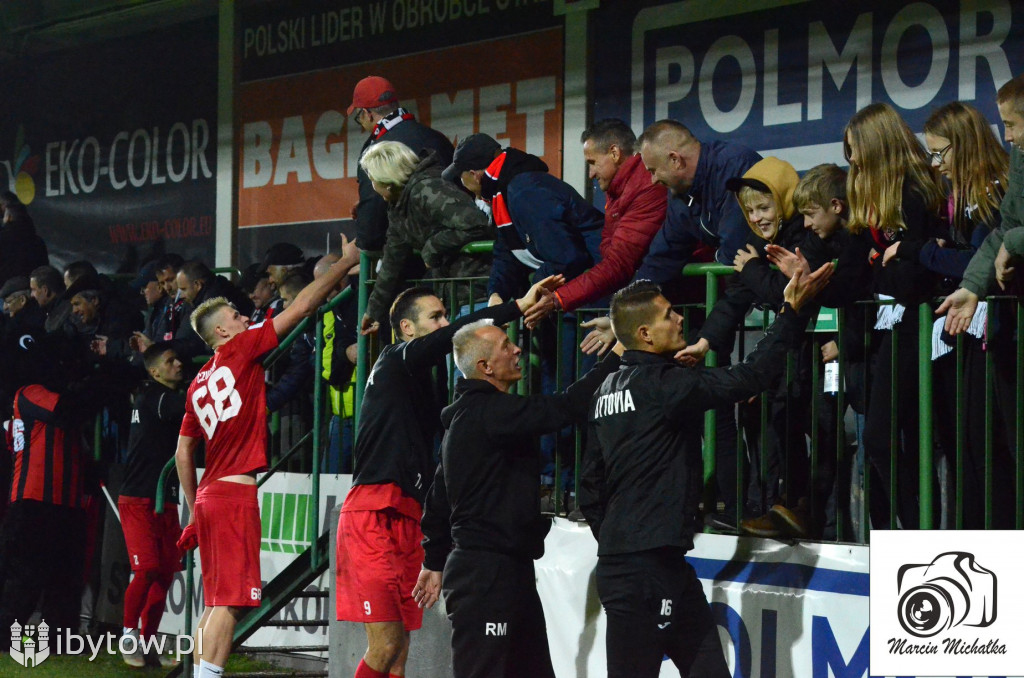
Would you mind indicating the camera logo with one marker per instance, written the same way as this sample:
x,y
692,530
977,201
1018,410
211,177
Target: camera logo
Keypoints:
x,y
951,590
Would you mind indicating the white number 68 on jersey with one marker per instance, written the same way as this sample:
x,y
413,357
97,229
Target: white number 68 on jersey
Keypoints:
x,y
217,401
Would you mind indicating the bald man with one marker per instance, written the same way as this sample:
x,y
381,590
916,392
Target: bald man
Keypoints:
x,y
485,501
702,212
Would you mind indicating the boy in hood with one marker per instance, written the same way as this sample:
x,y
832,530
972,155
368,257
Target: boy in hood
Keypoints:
x,y
765,194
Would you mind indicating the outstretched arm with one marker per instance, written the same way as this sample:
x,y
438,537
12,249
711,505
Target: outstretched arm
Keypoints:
x,y
315,293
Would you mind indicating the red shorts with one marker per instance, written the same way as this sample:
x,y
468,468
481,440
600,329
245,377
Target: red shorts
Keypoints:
x,y
151,539
379,557
228,526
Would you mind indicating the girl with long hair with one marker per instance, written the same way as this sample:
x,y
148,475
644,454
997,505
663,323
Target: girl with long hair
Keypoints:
x,y
894,196
963,148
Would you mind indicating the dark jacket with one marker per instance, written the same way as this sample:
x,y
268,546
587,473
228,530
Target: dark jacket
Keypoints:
x,y
293,376
399,418
552,229
952,259
21,249
186,343
642,468
906,279
634,211
437,219
372,211
485,495
708,214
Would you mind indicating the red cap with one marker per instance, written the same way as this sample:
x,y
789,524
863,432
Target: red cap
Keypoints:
x,y
371,92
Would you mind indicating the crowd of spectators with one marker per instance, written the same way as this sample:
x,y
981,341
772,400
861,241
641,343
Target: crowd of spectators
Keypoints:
x,y
73,343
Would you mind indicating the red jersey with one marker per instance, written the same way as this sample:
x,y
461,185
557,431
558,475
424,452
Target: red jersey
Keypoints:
x,y
48,465
227,405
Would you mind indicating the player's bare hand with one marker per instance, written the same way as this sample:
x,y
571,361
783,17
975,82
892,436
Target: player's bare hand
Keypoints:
x,y
694,353
495,300
802,288
427,589
600,338
959,308
1004,267
369,325
538,301
787,261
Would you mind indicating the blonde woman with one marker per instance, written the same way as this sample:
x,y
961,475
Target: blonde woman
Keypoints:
x,y
425,214
894,197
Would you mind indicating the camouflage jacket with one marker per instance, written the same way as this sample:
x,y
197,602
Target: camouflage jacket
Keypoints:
x,y
437,219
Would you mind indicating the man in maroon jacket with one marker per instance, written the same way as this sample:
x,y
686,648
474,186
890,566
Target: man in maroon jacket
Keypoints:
x,y
634,211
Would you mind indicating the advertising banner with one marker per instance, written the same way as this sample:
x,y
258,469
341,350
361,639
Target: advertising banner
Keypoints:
x,y
285,38
287,531
784,76
298,152
784,611
112,146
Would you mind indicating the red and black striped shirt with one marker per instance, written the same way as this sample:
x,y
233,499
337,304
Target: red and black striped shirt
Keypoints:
x,y
48,465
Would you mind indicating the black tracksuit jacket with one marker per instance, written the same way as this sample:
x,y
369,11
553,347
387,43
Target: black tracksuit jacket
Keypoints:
x,y
398,418
485,495
642,469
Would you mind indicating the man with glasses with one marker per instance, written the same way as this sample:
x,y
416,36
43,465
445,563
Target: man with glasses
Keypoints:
x,y
375,108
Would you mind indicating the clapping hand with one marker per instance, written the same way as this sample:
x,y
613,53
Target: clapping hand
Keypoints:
x,y
787,262
802,288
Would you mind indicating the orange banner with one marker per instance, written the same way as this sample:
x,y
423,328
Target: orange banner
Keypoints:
x,y
299,153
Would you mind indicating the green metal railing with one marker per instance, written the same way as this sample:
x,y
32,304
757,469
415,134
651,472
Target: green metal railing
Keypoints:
x,y
842,455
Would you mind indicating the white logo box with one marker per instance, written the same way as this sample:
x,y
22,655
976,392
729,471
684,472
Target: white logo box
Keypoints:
x,y
946,603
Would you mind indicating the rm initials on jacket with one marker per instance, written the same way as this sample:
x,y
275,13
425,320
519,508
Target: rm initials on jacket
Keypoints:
x,y
496,628
614,403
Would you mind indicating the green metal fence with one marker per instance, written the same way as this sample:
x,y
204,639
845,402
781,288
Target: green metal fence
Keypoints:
x,y
844,453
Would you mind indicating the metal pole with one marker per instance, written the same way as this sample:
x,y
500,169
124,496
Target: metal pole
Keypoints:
x,y
362,342
318,417
924,372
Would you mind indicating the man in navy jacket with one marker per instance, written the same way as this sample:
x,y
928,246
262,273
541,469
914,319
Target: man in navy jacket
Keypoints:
x,y
544,226
702,212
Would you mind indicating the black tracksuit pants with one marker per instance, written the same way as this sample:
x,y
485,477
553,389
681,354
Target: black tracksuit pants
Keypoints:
x,y
498,628
656,607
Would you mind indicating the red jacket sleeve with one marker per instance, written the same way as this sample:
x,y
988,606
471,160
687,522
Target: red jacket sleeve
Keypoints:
x,y
623,246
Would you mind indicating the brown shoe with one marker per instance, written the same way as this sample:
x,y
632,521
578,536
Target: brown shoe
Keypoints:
x,y
764,526
791,522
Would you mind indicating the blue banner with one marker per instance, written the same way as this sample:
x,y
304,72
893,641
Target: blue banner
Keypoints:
x,y
784,76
